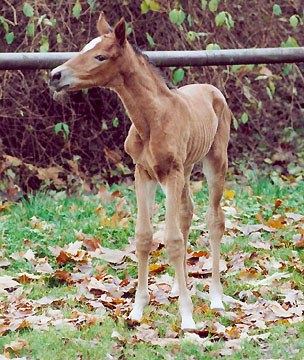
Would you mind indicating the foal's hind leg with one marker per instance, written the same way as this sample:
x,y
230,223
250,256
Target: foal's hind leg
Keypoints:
x,y
214,167
145,193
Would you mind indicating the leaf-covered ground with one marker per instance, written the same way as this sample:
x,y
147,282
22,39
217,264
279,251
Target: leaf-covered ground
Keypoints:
x,y
68,272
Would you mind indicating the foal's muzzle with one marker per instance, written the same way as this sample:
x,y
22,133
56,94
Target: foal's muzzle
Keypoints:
x,y
59,79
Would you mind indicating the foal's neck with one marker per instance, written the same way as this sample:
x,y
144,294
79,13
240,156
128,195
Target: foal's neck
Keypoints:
x,y
143,93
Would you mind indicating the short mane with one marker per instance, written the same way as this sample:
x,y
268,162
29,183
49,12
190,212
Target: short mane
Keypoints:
x,y
156,70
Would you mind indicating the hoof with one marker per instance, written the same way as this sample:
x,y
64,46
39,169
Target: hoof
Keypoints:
x,y
217,305
188,324
135,315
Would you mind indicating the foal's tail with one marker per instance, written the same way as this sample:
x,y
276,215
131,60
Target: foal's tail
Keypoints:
x,y
223,114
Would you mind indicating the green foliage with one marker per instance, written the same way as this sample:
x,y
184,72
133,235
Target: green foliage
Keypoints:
x,y
294,20
244,118
28,10
277,9
58,38
9,37
128,29
204,4
30,30
77,8
63,129
150,40
213,5
290,42
224,17
213,47
177,16
116,122
178,75
44,44
147,5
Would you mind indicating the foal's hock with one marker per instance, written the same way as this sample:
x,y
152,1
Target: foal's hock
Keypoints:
x,y
171,130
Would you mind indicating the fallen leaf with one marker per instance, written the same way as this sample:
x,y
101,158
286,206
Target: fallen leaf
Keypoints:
x,y
111,155
44,268
276,222
298,240
112,255
62,275
16,345
4,206
233,332
4,263
27,277
295,217
118,336
277,203
260,245
7,283
157,268
248,275
229,194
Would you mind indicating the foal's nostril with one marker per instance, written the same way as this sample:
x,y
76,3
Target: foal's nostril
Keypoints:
x,y
56,76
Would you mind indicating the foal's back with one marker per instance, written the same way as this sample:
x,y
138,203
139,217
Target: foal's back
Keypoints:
x,y
207,115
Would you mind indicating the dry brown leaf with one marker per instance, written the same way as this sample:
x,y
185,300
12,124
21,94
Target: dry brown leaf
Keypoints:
x,y
4,206
260,244
294,217
111,155
4,263
265,71
233,332
50,173
260,218
145,334
16,345
118,336
248,229
62,275
277,203
157,268
112,255
27,278
92,244
298,240
7,283
44,268
276,222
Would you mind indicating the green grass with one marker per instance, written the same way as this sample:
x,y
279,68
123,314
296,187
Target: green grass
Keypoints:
x,y
45,221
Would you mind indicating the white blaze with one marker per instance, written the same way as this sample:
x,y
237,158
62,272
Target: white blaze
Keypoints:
x,y
91,44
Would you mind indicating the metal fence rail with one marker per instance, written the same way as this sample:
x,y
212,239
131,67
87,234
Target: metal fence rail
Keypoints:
x,y
20,61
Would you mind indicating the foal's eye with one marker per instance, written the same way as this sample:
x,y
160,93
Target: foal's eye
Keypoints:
x,y
100,58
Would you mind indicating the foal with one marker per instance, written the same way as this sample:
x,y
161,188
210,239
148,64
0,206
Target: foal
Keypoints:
x,y
171,130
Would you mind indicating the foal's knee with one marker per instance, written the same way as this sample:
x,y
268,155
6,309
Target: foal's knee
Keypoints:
x,y
175,247
215,222
143,240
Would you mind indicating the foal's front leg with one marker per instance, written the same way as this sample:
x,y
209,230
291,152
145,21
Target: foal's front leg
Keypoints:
x,y
175,245
145,192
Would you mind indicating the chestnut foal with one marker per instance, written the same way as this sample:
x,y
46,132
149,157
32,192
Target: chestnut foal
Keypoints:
x,y
171,130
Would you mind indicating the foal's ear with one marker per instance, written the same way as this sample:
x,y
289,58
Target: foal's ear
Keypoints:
x,y
102,25
120,32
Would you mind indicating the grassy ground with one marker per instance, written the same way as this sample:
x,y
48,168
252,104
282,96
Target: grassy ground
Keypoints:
x,y
68,270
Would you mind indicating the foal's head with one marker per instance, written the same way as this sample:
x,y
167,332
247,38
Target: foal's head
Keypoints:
x,y
97,64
